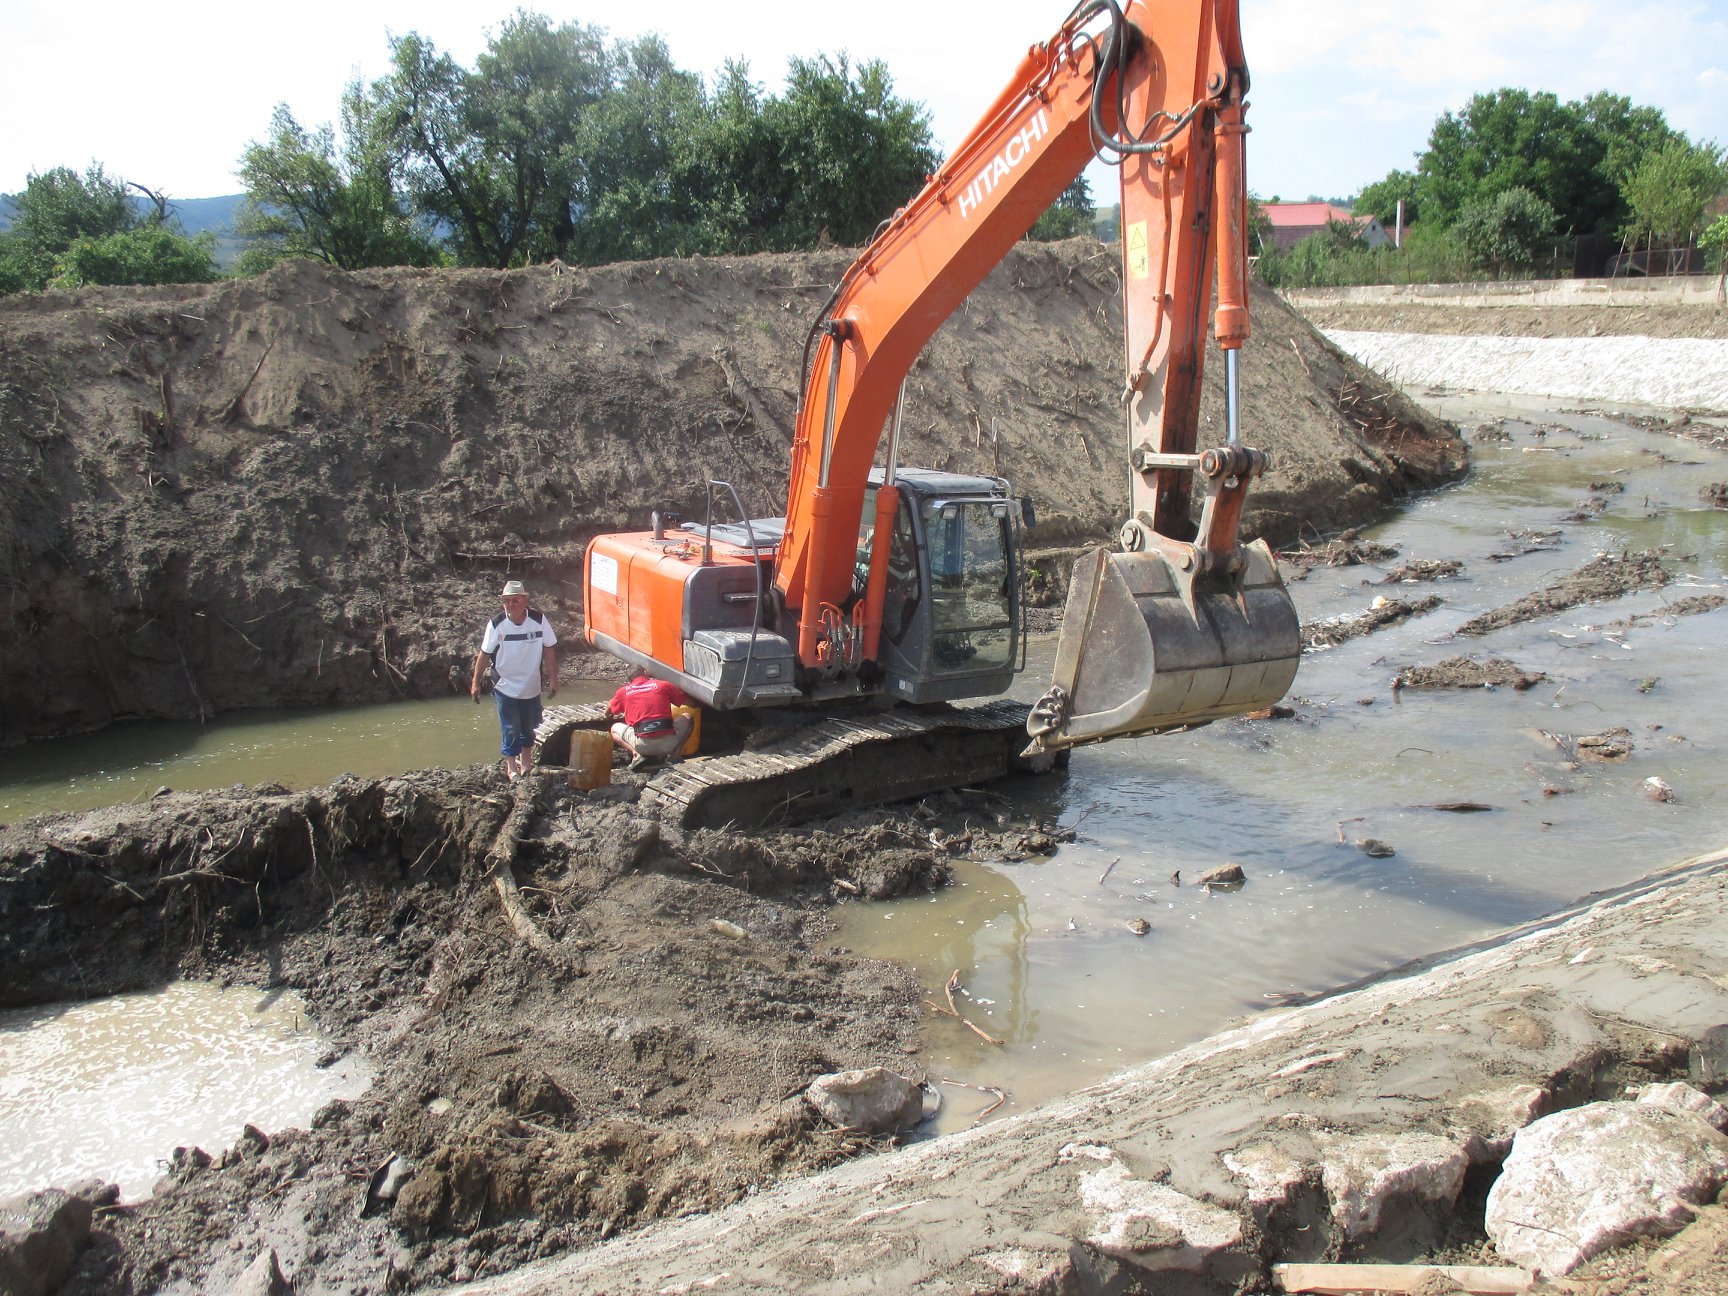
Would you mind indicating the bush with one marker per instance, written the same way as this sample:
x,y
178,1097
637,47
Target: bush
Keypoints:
x,y
149,254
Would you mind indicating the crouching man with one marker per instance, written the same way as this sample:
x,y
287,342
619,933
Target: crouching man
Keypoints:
x,y
646,727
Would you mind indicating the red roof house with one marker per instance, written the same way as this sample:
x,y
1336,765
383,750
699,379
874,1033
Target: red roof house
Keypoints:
x,y
1293,222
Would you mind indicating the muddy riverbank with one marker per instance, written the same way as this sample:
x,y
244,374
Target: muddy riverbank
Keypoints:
x,y
624,1039
304,489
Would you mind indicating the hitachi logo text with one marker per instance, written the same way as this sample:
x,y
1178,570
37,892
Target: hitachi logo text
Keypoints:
x,y
999,166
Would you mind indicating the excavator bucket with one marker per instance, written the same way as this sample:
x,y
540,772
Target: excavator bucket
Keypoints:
x,y
1146,648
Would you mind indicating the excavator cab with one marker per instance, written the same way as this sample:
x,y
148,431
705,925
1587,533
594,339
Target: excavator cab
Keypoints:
x,y
951,612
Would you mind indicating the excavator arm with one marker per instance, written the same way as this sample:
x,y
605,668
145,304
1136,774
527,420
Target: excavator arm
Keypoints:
x,y
1185,625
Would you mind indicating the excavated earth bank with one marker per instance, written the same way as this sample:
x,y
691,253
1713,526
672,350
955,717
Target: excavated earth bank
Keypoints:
x,y
305,489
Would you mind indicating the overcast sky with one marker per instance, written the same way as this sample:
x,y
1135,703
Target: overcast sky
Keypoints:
x,y
169,96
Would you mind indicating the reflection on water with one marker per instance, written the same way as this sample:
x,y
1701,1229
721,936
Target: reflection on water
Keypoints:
x,y
128,762
110,1088
1044,949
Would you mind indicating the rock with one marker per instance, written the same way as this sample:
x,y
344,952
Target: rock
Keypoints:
x,y
1657,790
1139,926
1363,1173
1374,848
1269,1173
1609,746
1223,875
387,1180
41,1235
875,1100
1586,1180
263,1277
1683,1097
1490,1120
1151,1225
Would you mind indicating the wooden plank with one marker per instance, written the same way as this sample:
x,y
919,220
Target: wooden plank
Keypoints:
x,y
1354,1279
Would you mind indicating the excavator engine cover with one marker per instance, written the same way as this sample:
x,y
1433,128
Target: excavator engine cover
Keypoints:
x,y
1146,648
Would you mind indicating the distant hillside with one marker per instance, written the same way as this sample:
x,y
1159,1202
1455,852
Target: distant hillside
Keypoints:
x,y
194,214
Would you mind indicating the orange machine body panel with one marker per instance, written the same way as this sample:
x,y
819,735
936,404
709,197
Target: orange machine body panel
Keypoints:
x,y
635,588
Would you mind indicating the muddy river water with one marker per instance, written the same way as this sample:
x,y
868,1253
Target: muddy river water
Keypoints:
x,y
1047,960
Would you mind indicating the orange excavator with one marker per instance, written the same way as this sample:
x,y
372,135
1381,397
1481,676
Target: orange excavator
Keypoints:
x,y
887,584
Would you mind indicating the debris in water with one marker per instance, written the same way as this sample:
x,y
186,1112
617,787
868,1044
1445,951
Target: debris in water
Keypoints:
x,y
1657,790
1223,875
1381,613
1465,673
1139,926
1610,745
1374,848
1456,807
1604,577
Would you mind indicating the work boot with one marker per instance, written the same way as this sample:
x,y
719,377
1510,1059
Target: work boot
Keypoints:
x,y
638,764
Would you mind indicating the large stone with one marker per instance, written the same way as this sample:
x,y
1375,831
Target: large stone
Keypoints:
x,y
1151,1225
1491,1118
1583,1181
41,1235
1364,1173
263,1277
875,1100
1683,1097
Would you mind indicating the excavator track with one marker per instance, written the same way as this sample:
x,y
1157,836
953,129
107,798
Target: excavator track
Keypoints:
x,y
827,766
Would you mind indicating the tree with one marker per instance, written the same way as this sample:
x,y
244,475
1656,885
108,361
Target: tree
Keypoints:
x,y
645,182
1507,231
850,151
490,154
308,197
1380,199
69,230
1515,139
1669,189
1068,217
1629,133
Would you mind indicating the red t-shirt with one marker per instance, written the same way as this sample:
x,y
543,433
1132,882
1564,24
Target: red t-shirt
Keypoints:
x,y
642,702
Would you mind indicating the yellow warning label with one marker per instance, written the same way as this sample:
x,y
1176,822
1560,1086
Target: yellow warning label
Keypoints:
x,y
1138,264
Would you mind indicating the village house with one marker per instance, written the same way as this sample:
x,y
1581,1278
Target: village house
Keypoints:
x,y
1293,222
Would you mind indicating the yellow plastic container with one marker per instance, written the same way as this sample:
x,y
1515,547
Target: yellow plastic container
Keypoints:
x,y
590,759
693,743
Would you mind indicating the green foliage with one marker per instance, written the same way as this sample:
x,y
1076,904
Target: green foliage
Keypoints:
x,y
1068,217
1629,133
1380,199
1513,139
559,145
305,197
69,230
1669,189
850,151
1713,242
1506,232
147,254
1430,254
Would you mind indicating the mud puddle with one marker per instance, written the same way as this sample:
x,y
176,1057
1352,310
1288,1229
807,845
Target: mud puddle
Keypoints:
x,y
1050,955
297,749
109,1088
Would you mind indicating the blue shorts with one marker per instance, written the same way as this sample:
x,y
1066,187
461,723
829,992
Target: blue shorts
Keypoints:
x,y
518,718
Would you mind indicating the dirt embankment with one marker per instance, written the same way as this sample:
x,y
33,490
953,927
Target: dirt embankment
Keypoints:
x,y
305,488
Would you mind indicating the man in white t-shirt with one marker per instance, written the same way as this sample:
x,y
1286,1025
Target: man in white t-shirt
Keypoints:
x,y
519,644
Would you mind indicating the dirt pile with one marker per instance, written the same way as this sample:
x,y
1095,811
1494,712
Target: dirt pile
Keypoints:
x,y
644,1059
304,488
